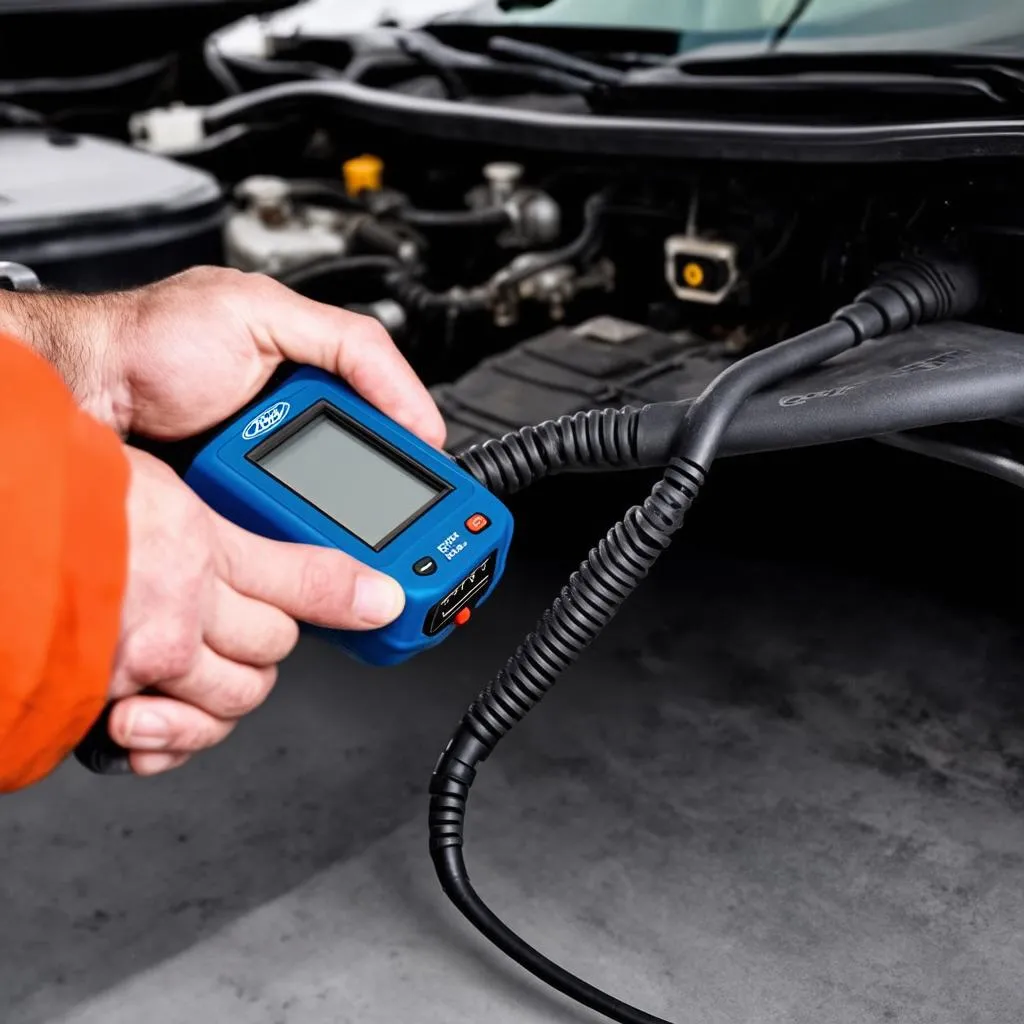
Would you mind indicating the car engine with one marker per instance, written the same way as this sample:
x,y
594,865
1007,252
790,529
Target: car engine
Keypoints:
x,y
523,282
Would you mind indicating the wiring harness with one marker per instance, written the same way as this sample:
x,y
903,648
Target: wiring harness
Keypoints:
x,y
686,438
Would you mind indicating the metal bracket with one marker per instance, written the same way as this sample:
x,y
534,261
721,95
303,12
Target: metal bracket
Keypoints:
x,y
16,277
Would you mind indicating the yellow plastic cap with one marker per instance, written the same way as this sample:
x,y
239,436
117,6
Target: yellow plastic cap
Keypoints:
x,y
363,174
693,275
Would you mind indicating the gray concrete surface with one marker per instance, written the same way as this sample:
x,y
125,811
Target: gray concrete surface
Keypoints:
x,y
781,788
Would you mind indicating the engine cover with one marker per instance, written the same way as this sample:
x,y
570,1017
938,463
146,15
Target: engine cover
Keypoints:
x,y
94,214
941,373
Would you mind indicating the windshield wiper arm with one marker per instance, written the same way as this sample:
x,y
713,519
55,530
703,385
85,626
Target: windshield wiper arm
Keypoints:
x,y
998,79
559,60
441,56
798,10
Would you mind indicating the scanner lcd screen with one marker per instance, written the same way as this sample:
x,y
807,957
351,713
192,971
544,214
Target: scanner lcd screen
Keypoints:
x,y
356,482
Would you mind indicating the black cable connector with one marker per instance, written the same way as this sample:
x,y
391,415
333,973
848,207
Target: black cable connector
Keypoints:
x,y
686,437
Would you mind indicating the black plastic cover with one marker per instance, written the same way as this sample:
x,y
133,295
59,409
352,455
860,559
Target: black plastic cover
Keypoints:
x,y
91,213
941,373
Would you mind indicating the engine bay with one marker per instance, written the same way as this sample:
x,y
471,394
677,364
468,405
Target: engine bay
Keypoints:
x,y
523,282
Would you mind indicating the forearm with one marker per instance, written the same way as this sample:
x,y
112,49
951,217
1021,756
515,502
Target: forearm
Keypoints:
x,y
77,335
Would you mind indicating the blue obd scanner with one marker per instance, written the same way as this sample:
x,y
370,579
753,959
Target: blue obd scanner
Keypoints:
x,y
319,465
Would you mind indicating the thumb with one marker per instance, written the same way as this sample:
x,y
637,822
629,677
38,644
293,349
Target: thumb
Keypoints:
x,y
319,585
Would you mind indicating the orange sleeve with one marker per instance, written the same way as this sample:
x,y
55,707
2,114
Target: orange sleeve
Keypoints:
x,y
63,563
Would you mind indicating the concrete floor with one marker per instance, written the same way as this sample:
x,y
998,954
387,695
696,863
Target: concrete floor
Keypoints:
x,y
785,786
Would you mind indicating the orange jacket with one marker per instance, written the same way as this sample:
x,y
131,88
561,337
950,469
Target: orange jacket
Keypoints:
x,y
63,563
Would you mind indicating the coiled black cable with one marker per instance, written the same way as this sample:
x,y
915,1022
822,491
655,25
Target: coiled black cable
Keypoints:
x,y
596,437
690,436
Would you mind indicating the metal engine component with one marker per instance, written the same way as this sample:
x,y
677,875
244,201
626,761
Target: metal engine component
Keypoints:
x,y
554,286
271,234
699,269
502,179
536,220
389,314
534,216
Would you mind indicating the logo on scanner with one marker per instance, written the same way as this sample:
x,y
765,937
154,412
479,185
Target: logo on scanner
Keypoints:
x,y
267,420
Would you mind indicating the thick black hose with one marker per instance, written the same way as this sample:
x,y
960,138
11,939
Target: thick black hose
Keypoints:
x,y
906,295
489,216
614,568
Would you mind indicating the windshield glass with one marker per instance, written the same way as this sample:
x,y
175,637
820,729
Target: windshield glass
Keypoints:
x,y
911,24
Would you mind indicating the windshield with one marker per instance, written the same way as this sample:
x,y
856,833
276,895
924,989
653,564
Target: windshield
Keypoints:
x,y
888,24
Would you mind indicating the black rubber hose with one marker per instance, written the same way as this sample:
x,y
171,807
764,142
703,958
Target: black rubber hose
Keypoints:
x,y
590,234
101,81
490,216
993,464
332,266
419,298
20,117
614,568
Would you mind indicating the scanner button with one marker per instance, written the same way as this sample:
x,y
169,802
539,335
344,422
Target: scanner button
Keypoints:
x,y
462,616
477,523
425,567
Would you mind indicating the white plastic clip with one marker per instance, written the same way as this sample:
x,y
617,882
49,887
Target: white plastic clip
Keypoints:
x,y
168,130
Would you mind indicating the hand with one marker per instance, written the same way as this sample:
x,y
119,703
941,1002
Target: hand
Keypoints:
x,y
209,612
173,358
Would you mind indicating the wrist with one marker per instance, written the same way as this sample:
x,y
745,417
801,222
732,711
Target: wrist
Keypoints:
x,y
78,336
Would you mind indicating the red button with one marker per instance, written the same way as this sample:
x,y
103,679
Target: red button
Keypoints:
x,y
462,616
477,522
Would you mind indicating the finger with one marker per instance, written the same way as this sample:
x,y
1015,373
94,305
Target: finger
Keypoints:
x,y
221,687
156,764
248,631
358,349
155,723
323,586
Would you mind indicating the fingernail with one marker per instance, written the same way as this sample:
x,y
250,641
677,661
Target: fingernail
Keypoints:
x,y
154,764
148,731
378,600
